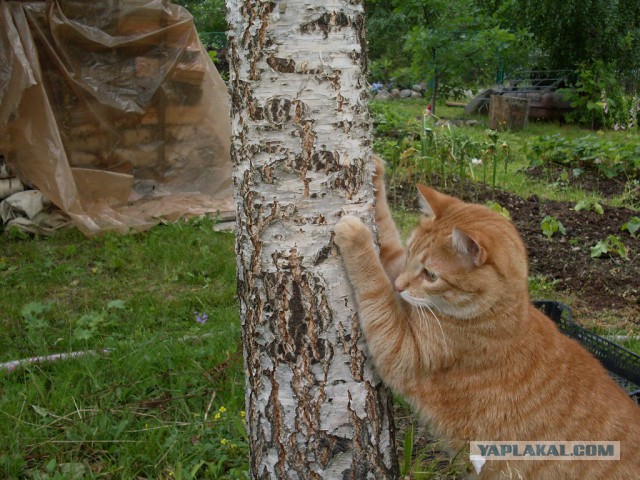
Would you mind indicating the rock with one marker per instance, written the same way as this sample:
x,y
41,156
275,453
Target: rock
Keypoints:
x,y
406,93
416,94
9,186
424,86
383,95
395,93
417,88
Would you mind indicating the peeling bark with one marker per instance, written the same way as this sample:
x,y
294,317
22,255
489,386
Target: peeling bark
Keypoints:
x,y
301,148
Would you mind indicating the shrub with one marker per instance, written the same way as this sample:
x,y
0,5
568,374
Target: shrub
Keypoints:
x,y
599,100
587,153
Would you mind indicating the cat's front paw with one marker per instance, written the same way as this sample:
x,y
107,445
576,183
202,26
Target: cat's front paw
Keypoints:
x,y
378,174
350,231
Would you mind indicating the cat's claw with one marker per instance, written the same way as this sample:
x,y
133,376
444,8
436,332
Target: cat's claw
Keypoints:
x,y
379,166
351,231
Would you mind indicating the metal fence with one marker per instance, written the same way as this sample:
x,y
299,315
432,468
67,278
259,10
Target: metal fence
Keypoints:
x,y
213,40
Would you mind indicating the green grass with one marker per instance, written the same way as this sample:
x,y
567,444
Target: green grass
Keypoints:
x,y
165,400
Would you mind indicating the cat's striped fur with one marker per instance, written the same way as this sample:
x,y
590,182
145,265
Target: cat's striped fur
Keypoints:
x,y
450,326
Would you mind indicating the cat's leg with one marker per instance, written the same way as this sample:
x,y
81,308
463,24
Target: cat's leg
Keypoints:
x,y
392,253
383,315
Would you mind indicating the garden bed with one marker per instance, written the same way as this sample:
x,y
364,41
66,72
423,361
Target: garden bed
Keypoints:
x,y
607,187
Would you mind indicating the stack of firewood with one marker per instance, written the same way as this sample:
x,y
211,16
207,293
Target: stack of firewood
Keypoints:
x,y
136,102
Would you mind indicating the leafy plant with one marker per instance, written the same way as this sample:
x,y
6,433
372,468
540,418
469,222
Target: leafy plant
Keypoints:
x,y
408,451
90,324
562,182
541,286
32,314
596,98
15,233
496,207
588,205
588,153
551,225
632,226
610,245
208,15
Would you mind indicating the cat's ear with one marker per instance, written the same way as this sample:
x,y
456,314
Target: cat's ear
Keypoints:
x,y
468,247
430,201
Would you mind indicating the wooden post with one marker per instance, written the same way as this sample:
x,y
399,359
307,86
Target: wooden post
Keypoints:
x,y
508,113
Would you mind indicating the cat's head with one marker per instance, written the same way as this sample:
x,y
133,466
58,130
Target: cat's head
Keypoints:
x,y
462,259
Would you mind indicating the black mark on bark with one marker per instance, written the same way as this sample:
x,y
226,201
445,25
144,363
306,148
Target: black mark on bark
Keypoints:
x,y
297,316
281,65
277,110
326,23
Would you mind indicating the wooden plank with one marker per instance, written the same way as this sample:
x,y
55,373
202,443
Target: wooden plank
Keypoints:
x,y
191,73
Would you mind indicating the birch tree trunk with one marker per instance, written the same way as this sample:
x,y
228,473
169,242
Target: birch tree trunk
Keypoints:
x,y
301,147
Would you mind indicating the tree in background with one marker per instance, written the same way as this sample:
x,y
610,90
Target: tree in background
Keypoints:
x,y
386,29
454,44
208,15
462,43
573,32
461,47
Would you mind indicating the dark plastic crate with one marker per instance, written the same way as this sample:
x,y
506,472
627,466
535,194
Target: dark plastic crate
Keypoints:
x,y
622,364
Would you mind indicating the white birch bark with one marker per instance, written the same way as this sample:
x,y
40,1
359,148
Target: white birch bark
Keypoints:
x,y
301,146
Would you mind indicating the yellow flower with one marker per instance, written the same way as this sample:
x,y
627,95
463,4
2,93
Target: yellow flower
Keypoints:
x,y
233,445
217,416
242,413
222,409
223,441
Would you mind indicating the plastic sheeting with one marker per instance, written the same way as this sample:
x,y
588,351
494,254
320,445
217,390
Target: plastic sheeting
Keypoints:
x,y
114,111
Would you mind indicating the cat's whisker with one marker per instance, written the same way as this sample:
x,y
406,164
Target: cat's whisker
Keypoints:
x,y
444,338
420,307
423,318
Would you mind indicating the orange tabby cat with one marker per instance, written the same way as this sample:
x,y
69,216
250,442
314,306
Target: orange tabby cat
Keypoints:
x,y
450,326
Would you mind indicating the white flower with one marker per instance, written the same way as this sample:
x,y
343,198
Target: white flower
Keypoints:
x,y
476,161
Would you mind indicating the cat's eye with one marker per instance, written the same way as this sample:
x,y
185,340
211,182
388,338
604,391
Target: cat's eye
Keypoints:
x,y
430,275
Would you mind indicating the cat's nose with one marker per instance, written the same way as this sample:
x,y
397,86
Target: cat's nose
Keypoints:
x,y
399,288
